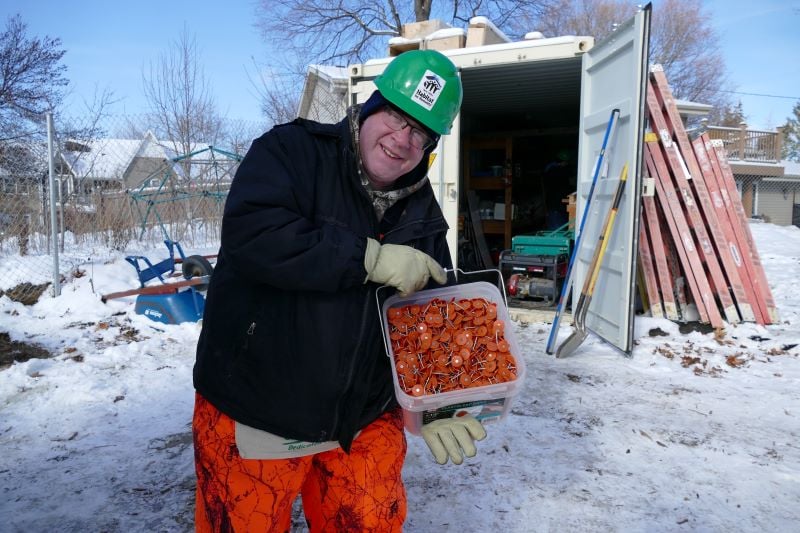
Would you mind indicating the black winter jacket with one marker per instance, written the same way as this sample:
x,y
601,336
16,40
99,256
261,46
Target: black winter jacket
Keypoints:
x,y
291,340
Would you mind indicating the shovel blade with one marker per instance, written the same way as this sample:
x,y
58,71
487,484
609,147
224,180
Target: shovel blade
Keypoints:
x,y
571,343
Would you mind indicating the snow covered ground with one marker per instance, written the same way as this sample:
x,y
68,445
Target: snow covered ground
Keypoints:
x,y
694,433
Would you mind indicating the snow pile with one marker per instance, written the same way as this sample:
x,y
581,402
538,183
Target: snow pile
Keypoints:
x,y
693,432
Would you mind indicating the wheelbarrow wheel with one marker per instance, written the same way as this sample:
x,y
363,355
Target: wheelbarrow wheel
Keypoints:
x,y
196,266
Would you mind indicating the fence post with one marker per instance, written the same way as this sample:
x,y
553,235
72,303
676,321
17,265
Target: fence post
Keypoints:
x,y
779,143
53,226
742,140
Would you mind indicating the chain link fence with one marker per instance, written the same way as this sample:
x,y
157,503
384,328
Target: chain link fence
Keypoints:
x,y
26,247
774,199
120,188
113,192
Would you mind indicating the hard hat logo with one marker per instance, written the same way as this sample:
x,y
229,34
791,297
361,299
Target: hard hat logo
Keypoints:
x,y
428,90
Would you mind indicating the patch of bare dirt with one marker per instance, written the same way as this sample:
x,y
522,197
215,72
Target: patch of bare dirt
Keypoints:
x,y
11,351
26,293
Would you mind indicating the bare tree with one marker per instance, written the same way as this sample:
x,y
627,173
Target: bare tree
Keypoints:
x,y
277,85
686,44
180,99
32,78
338,32
33,83
239,135
682,41
577,17
342,31
330,30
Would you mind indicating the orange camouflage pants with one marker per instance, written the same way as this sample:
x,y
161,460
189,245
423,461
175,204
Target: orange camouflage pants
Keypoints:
x,y
359,491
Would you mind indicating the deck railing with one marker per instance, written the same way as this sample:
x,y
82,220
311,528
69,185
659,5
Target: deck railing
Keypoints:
x,y
749,145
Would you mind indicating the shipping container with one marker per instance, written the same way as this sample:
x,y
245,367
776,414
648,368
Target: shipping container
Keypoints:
x,y
531,126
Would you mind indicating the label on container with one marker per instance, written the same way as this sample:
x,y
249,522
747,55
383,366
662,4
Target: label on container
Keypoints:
x,y
483,410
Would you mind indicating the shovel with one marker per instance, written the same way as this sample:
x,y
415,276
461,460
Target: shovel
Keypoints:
x,y
580,332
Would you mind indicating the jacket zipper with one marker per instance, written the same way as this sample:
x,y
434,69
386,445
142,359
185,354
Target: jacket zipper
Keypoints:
x,y
359,341
242,346
351,370
250,330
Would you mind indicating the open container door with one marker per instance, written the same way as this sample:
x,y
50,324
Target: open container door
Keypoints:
x,y
614,76
443,174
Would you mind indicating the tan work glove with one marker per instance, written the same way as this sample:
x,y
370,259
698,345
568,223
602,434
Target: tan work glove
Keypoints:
x,y
447,437
400,266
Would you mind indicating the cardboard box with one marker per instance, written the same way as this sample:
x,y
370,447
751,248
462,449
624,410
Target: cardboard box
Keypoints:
x,y
570,201
500,211
418,30
443,43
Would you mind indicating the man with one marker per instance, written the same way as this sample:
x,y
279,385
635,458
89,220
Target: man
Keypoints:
x,y
294,388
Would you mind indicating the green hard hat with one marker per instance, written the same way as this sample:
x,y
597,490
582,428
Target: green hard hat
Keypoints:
x,y
425,85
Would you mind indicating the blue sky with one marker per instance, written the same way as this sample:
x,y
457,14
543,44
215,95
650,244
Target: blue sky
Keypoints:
x,y
760,41
110,43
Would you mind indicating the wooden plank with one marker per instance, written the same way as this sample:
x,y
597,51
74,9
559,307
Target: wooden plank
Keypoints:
x,y
674,271
681,177
210,257
659,254
166,288
682,237
684,243
641,286
748,306
648,274
745,237
740,228
734,205
730,277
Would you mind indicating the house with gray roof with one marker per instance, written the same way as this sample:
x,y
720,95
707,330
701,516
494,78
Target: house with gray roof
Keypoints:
x,y
109,164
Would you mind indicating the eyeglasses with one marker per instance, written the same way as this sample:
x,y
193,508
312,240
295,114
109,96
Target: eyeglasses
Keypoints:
x,y
418,138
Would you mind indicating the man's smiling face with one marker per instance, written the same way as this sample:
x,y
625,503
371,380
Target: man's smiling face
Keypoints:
x,y
387,154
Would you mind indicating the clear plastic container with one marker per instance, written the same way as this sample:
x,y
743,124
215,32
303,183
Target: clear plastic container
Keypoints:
x,y
488,403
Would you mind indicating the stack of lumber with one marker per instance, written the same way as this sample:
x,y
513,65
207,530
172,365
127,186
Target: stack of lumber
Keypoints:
x,y
697,257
